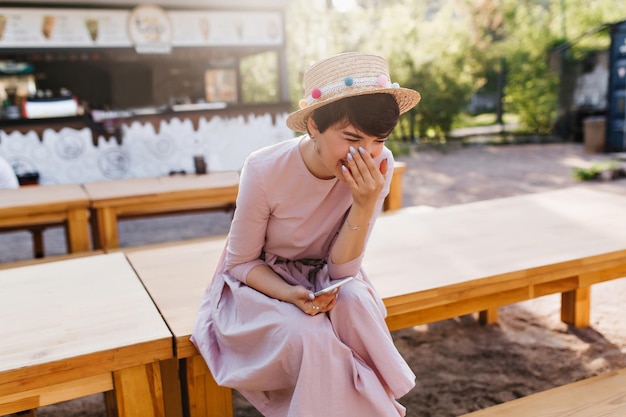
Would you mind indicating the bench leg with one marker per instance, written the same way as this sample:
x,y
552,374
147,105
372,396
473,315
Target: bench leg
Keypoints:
x,y
77,231
393,201
138,391
27,413
104,226
576,306
204,397
171,388
110,404
489,316
38,245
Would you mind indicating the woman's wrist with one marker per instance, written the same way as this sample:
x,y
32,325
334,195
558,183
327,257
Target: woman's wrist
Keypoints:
x,y
354,227
358,218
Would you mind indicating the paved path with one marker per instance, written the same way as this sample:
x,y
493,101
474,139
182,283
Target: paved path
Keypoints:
x,y
462,174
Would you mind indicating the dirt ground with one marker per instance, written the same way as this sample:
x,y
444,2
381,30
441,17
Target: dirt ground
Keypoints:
x,y
461,366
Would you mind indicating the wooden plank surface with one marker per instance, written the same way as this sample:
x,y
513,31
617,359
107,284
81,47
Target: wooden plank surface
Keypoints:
x,y
189,264
72,319
38,261
393,201
41,199
497,240
603,395
153,189
65,204
137,197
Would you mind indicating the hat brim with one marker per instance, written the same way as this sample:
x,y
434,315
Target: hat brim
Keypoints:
x,y
405,97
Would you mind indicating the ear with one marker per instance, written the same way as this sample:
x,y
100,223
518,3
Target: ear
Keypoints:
x,y
311,127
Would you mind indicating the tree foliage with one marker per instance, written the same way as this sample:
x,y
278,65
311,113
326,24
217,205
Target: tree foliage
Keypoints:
x,y
446,48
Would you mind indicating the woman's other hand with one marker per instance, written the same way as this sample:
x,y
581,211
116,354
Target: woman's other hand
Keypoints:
x,y
311,305
365,178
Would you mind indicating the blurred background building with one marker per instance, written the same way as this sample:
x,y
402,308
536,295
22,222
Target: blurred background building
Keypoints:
x,y
111,89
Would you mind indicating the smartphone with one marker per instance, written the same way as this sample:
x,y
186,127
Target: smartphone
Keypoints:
x,y
335,285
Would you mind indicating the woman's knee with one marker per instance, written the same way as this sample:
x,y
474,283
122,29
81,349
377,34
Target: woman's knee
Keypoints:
x,y
355,295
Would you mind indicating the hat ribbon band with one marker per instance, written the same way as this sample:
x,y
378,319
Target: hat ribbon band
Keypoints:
x,y
381,81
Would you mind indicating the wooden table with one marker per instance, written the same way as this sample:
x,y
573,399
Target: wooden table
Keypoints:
x,y
37,206
78,327
136,197
176,276
456,260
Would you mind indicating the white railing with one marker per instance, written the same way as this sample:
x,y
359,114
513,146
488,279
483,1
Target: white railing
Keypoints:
x,y
69,155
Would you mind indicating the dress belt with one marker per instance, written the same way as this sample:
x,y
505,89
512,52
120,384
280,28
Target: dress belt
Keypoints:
x,y
317,264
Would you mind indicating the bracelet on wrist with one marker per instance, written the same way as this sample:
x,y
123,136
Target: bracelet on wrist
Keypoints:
x,y
349,226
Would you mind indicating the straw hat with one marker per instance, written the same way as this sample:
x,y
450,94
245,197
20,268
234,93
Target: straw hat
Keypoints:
x,y
346,75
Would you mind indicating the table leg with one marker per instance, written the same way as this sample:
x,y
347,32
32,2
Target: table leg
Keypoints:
x,y
576,306
104,225
77,231
204,397
38,245
489,316
171,387
139,391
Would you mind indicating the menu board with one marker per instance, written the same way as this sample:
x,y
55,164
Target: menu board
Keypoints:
x,y
147,28
226,28
28,28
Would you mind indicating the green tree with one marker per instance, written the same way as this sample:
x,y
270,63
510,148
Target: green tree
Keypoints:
x,y
532,91
535,29
581,22
532,86
487,31
446,48
425,46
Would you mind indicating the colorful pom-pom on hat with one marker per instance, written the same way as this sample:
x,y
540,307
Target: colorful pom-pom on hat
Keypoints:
x,y
346,75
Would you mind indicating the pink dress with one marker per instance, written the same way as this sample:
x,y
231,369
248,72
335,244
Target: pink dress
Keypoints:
x,y
285,362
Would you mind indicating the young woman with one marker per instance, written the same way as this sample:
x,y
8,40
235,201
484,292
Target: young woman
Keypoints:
x,y
305,210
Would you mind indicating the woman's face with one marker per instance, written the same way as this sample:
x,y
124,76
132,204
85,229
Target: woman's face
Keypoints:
x,y
334,144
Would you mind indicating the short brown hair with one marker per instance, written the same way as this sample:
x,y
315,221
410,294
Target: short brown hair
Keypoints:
x,y
373,114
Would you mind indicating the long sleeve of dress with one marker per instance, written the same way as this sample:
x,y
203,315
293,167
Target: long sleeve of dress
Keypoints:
x,y
247,234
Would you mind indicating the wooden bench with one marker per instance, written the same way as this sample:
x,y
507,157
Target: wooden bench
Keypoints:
x,y
38,261
176,275
427,266
456,260
141,197
34,208
77,327
394,198
603,395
